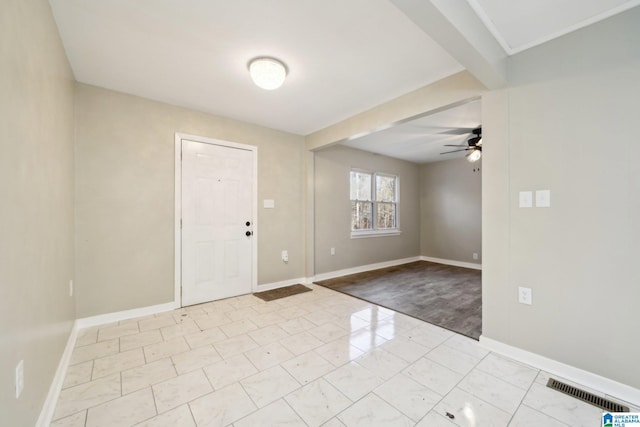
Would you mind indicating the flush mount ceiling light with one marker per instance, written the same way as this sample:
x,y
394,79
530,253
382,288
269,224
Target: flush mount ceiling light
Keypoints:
x,y
267,73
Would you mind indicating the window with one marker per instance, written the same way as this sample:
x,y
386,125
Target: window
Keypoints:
x,y
374,204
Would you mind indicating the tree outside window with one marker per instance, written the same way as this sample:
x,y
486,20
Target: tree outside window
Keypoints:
x,y
374,201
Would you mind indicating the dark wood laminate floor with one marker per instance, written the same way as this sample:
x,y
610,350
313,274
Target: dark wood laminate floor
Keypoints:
x,y
447,296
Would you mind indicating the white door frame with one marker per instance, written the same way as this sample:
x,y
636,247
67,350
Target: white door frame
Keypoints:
x,y
178,207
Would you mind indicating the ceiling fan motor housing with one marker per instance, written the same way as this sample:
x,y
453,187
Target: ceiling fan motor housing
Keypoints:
x,y
473,142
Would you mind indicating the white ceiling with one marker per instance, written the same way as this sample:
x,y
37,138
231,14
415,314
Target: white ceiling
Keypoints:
x,y
343,56
422,140
522,24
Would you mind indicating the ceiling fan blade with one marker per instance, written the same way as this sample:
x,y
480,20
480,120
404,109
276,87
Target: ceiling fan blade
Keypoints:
x,y
459,145
458,131
455,151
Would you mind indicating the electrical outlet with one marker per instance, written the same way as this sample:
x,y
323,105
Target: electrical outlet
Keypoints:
x,y
475,255
543,198
525,296
285,256
525,199
19,378
70,288
333,251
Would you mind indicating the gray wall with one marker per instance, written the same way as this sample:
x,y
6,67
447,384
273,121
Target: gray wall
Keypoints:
x,y
125,197
451,210
36,217
332,208
568,123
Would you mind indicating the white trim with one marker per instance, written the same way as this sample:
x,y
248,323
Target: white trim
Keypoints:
x,y
452,262
49,406
377,232
282,284
363,268
178,208
254,214
103,319
554,35
177,222
479,10
363,234
310,213
584,23
609,387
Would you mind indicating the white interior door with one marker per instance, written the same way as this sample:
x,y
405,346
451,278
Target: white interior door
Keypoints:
x,y
217,223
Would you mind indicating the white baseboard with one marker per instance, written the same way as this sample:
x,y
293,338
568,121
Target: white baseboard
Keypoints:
x,y
102,319
610,387
282,284
363,268
452,262
49,407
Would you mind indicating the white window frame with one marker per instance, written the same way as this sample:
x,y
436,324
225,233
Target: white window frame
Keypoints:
x,y
375,232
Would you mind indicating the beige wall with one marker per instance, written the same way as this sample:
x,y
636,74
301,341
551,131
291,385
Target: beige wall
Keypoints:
x,y
451,210
333,207
568,123
36,217
125,197
496,294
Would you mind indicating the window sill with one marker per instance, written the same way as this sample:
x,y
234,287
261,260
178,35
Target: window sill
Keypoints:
x,y
374,233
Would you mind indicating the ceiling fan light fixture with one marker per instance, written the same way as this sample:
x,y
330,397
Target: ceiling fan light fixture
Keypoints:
x,y
267,73
474,156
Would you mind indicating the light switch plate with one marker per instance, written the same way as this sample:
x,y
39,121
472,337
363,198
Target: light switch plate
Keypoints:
x,y
525,295
543,198
525,199
19,378
269,203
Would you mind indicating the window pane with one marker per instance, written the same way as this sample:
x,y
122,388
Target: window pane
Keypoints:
x,y
386,215
360,186
361,215
385,188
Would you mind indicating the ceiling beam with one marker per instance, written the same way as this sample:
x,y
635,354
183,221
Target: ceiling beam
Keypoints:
x,y
455,26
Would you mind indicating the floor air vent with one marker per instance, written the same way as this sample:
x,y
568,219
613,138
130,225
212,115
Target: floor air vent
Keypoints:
x,y
590,398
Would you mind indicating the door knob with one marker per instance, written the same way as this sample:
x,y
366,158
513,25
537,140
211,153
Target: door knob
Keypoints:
x,y
248,233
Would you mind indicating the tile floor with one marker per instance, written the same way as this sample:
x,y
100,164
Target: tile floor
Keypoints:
x,y
316,359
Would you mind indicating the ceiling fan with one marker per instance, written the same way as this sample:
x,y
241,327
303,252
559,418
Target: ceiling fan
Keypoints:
x,y
474,146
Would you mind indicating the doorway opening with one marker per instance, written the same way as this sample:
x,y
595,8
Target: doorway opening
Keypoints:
x,y
439,216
